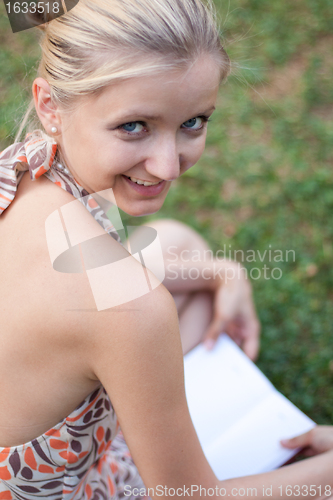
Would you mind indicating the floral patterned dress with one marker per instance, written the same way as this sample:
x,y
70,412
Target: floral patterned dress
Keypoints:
x,y
84,456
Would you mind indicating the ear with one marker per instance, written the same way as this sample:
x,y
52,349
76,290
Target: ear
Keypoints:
x,y
47,110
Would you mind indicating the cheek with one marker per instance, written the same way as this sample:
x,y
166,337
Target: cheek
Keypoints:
x,y
193,153
200,149
116,158
108,157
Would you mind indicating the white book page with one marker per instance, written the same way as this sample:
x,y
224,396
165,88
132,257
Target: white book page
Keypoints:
x,y
252,445
221,385
238,414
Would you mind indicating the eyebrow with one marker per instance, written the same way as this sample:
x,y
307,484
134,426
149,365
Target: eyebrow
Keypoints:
x,y
129,115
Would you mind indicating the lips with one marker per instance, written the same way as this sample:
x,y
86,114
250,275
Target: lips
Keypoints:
x,y
152,190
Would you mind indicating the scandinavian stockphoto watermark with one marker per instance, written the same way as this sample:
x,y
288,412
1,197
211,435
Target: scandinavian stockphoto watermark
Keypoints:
x,y
77,244
179,263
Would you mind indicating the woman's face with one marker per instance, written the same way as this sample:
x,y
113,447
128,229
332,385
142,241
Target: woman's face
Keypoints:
x,y
140,134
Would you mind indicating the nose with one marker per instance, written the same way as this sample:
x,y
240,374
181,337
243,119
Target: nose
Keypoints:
x,y
164,159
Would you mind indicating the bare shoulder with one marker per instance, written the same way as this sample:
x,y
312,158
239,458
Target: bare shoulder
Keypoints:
x,y
142,325
73,310
36,198
64,304
55,296
23,228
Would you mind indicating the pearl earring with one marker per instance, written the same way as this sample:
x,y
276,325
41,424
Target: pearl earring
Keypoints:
x,y
54,130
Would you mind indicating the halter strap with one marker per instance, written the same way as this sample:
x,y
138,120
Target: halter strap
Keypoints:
x,y
37,154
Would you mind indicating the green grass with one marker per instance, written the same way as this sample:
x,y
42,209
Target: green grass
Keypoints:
x,y
265,180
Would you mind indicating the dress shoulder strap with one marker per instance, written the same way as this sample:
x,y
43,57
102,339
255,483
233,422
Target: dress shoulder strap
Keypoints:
x,y
38,155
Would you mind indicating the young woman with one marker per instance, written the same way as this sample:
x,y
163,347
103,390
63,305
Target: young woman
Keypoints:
x,y
124,93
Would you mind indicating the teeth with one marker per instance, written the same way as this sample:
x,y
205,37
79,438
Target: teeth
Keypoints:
x,y
143,183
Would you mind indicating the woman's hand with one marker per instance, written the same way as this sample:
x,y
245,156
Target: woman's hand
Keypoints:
x,y
234,311
318,440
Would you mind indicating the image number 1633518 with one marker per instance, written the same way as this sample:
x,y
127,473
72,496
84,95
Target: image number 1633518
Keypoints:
x,y
26,14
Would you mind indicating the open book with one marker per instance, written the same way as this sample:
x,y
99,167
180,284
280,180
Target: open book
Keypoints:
x,y
238,414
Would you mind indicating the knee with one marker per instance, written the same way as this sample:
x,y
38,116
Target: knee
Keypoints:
x,y
178,236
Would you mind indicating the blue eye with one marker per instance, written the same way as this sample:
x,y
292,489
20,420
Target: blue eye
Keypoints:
x,y
132,127
194,123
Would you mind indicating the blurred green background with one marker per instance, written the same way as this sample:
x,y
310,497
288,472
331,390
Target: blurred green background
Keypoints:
x,y
265,181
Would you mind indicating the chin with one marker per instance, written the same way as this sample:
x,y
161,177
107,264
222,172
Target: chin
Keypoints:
x,y
138,212
142,208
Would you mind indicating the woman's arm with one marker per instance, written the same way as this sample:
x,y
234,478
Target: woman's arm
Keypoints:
x,y
233,307
135,351
310,478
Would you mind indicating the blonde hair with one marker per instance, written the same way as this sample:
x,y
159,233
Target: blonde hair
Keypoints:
x,y
99,42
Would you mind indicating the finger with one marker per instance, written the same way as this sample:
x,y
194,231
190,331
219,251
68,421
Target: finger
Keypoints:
x,y
246,335
213,332
249,316
298,442
251,347
234,331
308,452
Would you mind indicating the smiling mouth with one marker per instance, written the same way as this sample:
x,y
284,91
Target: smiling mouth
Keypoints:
x,y
143,183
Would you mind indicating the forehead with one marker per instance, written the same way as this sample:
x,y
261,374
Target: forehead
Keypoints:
x,y
185,91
